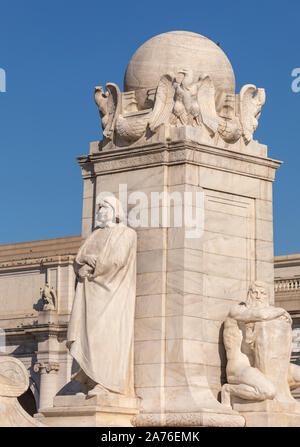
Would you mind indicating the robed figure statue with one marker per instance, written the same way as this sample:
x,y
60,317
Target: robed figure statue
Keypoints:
x,y
101,328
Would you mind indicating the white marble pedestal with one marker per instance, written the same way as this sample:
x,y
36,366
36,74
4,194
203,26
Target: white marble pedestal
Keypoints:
x,y
96,411
269,413
205,418
185,285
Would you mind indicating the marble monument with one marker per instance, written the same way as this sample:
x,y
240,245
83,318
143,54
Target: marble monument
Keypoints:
x,y
37,337
178,154
180,129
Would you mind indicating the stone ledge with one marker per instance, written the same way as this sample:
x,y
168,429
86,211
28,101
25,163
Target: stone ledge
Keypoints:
x,y
264,419
113,400
175,153
201,419
80,411
21,264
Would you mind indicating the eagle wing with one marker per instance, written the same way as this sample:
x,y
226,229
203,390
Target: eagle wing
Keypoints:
x,y
114,102
207,105
164,101
251,101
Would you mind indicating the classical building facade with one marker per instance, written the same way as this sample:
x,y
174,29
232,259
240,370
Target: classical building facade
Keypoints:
x,y
29,273
287,294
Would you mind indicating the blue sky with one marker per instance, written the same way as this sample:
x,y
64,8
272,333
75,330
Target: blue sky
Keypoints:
x,y
54,53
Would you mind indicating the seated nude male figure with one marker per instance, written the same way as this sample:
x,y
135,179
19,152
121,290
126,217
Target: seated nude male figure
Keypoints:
x,y
245,381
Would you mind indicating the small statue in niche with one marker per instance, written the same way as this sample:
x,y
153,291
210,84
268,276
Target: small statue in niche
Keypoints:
x,y
48,297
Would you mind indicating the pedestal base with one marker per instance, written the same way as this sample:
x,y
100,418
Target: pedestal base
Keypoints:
x,y
96,411
47,317
270,413
204,418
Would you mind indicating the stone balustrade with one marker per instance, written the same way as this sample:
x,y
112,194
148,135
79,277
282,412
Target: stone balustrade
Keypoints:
x,y
287,285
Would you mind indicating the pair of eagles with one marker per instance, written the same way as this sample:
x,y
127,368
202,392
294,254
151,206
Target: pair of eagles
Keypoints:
x,y
181,101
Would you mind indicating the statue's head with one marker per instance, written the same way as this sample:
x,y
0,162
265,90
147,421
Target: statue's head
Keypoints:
x,y
257,295
109,211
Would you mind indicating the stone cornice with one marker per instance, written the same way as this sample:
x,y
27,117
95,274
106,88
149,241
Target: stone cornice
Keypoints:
x,y
38,330
286,260
23,264
179,152
287,295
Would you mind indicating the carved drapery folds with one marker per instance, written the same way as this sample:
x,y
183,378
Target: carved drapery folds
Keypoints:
x,y
181,99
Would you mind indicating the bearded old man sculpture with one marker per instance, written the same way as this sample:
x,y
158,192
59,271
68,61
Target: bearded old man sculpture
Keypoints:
x,y
100,333
257,339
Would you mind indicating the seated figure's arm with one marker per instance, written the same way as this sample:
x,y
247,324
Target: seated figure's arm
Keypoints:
x,y
241,312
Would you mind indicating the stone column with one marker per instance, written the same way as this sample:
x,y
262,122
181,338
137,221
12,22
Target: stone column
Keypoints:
x,y
48,382
47,333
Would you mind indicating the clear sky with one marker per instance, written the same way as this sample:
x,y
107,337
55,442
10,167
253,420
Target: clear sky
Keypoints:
x,y
55,52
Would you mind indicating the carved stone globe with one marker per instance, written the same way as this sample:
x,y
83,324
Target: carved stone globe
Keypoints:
x,y
174,51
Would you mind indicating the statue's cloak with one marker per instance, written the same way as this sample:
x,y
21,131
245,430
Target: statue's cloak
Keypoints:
x,y
101,328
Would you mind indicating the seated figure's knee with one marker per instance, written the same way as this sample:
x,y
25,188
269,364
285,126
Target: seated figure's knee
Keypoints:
x,y
266,390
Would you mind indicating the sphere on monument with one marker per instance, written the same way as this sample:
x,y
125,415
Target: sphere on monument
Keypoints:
x,y
175,50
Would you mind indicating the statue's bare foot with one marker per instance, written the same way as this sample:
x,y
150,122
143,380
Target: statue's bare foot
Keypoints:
x,y
98,390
